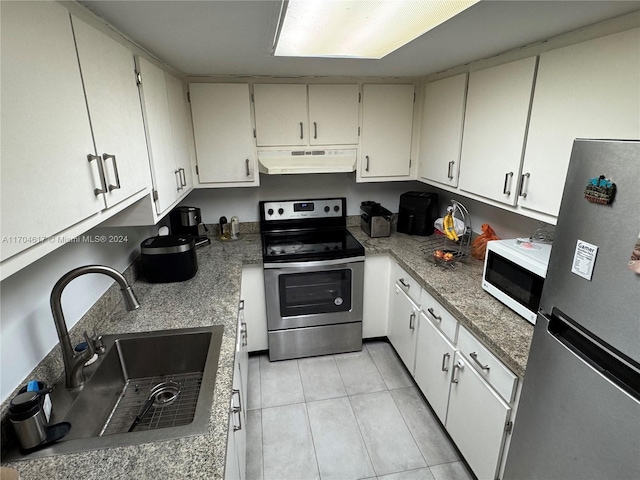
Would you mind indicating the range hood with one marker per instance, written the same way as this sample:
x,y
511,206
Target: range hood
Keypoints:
x,y
277,162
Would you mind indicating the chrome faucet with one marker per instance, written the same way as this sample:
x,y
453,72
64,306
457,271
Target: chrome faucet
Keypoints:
x,y
74,362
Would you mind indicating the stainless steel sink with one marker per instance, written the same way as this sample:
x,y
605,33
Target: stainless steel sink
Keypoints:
x,y
119,384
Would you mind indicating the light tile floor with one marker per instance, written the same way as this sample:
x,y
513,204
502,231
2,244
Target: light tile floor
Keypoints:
x,y
342,417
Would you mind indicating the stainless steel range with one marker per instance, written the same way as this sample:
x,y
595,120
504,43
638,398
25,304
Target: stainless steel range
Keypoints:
x,y
314,275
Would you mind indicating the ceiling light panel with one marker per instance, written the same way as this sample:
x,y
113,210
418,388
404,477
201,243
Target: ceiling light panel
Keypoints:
x,y
358,28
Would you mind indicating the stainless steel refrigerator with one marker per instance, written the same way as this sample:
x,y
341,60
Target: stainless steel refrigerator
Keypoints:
x,y
579,413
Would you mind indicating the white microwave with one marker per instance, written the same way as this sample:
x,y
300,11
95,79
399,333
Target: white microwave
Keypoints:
x,y
514,273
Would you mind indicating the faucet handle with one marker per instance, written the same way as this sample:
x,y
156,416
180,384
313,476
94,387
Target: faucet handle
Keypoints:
x,y
90,351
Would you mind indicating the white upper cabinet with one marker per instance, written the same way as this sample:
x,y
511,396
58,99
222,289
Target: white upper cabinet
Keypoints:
x,y
225,149
287,116
281,114
165,134
495,126
113,101
333,114
47,181
387,123
73,146
588,90
441,129
181,130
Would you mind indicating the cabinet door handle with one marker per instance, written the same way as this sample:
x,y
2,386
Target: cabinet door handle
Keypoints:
x,y
412,321
177,173
301,131
445,357
241,305
506,181
237,409
450,171
183,177
474,357
404,284
366,169
457,366
103,180
243,332
430,310
105,157
246,162
315,129
522,192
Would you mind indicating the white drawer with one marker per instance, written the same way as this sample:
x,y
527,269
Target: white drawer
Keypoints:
x,y
406,283
439,316
503,380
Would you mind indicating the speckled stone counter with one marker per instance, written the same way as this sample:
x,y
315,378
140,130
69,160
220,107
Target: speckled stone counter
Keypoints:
x,y
211,297
459,290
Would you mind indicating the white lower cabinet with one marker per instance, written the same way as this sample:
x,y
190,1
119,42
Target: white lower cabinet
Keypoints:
x,y
471,391
235,467
476,419
402,327
255,308
375,305
434,362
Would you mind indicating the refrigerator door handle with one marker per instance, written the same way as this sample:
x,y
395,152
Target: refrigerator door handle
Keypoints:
x,y
622,371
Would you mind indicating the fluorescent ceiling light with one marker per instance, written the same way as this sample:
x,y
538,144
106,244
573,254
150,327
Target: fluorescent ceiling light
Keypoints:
x,y
357,28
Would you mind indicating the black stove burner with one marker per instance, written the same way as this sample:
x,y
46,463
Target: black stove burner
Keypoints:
x,y
309,245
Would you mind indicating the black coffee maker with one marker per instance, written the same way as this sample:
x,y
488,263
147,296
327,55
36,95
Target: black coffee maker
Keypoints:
x,y
187,221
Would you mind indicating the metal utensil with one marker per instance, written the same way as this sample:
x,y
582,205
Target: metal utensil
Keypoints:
x,y
162,395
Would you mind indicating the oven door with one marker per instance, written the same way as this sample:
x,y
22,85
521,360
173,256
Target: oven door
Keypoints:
x,y
303,294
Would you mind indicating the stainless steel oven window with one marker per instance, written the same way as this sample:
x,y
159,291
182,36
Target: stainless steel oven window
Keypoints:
x,y
315,292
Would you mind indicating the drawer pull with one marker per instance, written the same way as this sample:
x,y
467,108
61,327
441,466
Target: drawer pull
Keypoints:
x,y
237,410
404,284
457,366
243,332
474,357
430,310
444,360
412,321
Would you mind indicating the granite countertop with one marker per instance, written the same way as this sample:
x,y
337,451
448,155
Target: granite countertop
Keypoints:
x,y
212,297
459,290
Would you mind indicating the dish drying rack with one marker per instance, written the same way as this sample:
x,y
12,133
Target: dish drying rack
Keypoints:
x,y
460,249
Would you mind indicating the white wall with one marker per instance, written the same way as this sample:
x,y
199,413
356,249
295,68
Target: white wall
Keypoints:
x,y
27,331
243,202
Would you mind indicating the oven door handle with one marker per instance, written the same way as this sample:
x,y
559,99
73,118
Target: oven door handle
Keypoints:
x,y
312,264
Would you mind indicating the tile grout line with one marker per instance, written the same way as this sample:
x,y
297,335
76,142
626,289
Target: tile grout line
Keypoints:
x,y
306,412
362,437
410,430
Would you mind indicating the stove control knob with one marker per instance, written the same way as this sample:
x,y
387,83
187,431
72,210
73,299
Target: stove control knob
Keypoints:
x,y
326,209
270,211
336,208
280,211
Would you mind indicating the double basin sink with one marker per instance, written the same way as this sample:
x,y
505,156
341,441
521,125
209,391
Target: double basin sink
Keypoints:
x,y
120,383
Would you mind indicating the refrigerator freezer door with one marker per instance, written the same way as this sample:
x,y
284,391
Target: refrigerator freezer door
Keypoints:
x,y
572,422
608,304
